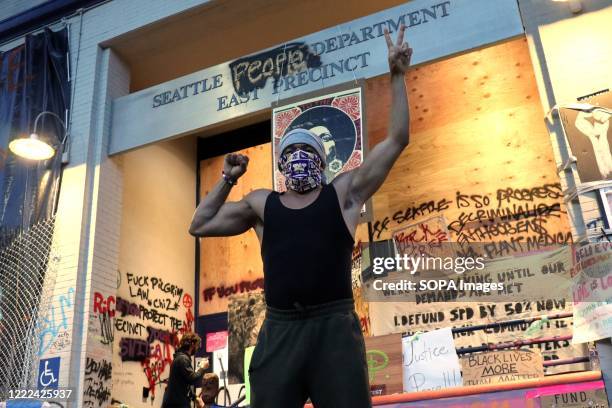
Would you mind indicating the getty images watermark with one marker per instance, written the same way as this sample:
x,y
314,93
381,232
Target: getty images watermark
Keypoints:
x,y
414,264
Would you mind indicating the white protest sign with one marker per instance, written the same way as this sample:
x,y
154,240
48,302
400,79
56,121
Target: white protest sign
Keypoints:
x,y
220,354
430,361
592,292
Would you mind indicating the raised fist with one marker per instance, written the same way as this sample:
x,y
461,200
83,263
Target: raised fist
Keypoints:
x,y
235,165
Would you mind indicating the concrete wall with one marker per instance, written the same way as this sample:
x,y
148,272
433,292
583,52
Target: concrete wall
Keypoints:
x,y
156,267
571,57
11,8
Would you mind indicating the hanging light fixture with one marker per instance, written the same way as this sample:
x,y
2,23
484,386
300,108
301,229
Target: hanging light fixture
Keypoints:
x,y
32,147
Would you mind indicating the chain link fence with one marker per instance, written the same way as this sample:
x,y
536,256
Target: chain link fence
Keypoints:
x,y
28,265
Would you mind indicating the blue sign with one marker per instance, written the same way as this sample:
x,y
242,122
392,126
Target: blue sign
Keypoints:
x,y
48,373
24,404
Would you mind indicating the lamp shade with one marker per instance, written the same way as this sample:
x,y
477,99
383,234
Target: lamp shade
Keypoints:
x,y
31,148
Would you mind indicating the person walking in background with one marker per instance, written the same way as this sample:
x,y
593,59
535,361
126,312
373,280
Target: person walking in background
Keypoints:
x,y
183,377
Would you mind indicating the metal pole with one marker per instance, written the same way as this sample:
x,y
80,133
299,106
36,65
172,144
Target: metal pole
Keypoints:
x,y
604,350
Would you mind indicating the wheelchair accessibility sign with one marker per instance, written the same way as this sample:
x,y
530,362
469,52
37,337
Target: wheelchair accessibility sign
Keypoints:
x,y
48,373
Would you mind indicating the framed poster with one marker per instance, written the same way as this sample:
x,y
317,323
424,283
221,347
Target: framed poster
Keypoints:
x,y
336,115
245,314
605,195
589,136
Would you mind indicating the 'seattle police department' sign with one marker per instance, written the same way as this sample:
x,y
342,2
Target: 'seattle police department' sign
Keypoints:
x,y
357,49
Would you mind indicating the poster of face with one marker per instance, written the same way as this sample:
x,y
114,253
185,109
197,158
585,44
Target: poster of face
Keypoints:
x,y
337,118
589,135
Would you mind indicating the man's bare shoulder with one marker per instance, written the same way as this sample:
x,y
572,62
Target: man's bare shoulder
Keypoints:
x,y
258,195
257,199
343,180
342,183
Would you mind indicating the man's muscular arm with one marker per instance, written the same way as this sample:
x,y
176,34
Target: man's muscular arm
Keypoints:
x,y
215,217
363,182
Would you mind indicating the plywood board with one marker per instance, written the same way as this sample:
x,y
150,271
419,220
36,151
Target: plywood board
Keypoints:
x,y
476,131
479,150
232,265
384,355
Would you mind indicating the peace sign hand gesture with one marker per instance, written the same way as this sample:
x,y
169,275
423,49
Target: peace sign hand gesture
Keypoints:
x,y
399,53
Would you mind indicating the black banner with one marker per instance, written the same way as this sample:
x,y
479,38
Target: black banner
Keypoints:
x,y
33,79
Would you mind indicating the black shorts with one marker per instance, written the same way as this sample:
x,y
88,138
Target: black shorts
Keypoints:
x,y
317,352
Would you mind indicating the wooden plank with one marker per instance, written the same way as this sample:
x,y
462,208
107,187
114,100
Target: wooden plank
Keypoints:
x,y
384,354
231,265
476,128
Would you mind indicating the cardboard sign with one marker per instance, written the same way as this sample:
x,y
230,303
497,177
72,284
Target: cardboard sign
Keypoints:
x,y
384,356
580,399
430,361
592,292
220,363
387,317
245,314
501,366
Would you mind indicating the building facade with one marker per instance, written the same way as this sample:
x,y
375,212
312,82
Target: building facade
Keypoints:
x,y
151,78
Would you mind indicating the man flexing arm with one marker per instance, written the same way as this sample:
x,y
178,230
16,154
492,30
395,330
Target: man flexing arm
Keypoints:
x,y
307,260
214,217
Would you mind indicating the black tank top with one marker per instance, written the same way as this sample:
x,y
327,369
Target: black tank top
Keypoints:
x,y
306,252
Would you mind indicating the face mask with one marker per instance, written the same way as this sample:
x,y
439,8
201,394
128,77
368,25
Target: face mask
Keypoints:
x,y
302,170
